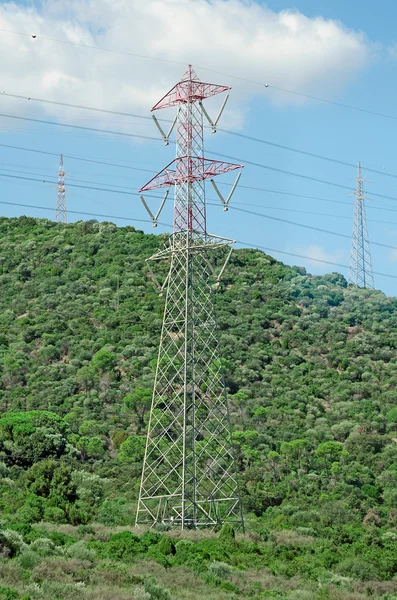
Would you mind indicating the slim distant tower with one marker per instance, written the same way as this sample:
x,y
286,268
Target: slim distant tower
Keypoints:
x,y
189,475
360,268
61,215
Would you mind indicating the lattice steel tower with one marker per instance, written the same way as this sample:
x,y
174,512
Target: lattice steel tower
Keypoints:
x,y
360,268
61,215
189,475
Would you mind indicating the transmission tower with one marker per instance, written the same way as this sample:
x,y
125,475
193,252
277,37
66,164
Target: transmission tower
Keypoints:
x,y
61,215
189,477
360,268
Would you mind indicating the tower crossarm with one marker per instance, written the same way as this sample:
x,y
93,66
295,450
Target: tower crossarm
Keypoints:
x,y
188,170
189,89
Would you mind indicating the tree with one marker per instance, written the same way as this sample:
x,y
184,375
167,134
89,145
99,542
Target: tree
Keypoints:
x,y
139,402
132,450
103,361
328,452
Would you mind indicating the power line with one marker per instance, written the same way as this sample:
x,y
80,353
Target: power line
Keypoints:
x,y
20,177
228,132
105,131
49,170
284,172
327,262
238,203
110,164
318,214
248,245
133,190
312,227
74,179
305,153
79,106
293,194
91,160
79,212
86,187
240,135
95,161
300,175
261,84
68,43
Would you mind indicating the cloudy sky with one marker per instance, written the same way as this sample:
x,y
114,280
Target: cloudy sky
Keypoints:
x,y
123,55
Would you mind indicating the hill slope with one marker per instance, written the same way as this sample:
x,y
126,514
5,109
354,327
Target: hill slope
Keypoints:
x,y
310,367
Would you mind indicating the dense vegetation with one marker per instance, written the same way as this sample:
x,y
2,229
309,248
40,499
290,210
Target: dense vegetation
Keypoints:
x,y
311,372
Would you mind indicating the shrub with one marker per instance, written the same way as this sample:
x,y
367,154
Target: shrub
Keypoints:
x,y
156,591
45,547
389,536
392,415
53,514
8,594
123,546
90,487
166,546
80,552
227,533
220,570
26,530
61,539
114,512
358,569
28,560
14,541
150,538
140,594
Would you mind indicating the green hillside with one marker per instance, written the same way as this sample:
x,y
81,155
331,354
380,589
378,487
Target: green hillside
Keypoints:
x,y
311,372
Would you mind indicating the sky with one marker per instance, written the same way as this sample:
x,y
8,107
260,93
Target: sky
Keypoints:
x,y
343,52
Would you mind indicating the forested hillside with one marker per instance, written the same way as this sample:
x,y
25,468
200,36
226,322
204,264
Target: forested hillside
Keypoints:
x,y
311,372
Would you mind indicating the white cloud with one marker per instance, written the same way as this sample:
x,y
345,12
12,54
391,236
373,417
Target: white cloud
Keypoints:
x,y
318,253
286,49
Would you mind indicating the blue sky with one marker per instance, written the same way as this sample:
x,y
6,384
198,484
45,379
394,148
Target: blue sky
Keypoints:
x,y
357,67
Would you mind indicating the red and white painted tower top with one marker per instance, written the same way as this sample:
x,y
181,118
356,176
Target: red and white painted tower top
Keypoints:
x,y
189,89
190,168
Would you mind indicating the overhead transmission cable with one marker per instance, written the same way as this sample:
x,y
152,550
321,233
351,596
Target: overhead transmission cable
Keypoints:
x,y
242,243
226,131
83,159
114,185
261,84
94,129
259,165
310,258
86,187
243,204
110,164
240,160
19,177
304,225
294,174
79,212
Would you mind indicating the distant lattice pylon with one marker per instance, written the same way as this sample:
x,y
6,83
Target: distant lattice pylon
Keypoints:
x,y
61,215
360,268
